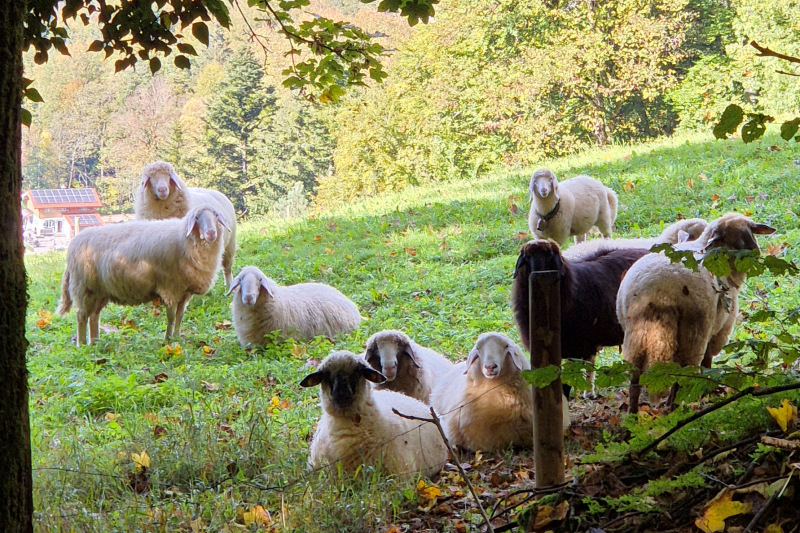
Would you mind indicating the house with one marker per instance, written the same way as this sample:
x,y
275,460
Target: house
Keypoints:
x,y
60,212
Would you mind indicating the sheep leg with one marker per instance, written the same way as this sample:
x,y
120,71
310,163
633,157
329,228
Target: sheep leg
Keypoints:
x,y
170,322
635,391
94,327
227,268
82,320
181,308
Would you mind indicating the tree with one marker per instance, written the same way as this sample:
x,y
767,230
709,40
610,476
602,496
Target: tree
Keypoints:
x,y
335,54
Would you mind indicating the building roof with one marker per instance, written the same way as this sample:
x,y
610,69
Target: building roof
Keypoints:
x,y
54,198
85,221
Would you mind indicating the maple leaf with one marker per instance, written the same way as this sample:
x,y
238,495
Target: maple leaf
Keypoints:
x,y
718,509
428,492
784,415
256,515
141,460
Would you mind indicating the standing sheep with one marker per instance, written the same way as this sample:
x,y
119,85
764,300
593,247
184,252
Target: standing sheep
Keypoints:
x,y
303,311
409,368
136,262
670,313
570,208
484,403
681,231
163,194
358,426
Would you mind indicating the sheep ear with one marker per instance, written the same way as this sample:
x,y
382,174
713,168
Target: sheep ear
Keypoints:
x,y
371,354
762,229
473,356
265,284
173,176
520,261
517,356
235,284
370,374
559,262
221,219
408,351
146,181
191,223
312,380
683,236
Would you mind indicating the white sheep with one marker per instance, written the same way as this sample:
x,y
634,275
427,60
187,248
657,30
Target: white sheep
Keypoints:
x,y
358,426
409,368
484,403
136,262
570,208
303,311
683,230
163,194
670,313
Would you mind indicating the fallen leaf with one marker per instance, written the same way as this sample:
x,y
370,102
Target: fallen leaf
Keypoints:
x,y
45,318
783,415
690,183
317,238
547,514
197,525
257,515
718,509
628,186
225,324
298,350
411,251
141,460
715,196
207,349
160,378
703,176
209,386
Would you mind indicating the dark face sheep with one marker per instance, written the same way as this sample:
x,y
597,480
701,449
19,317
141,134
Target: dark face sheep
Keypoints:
x,y
343,378
390,353
161,178
543,256
734,232
543,183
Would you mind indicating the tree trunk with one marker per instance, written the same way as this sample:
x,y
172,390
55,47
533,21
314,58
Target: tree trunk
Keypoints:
x,y
16,485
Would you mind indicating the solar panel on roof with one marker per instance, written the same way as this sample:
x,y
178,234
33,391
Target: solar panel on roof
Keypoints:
x,y
88,220
63,196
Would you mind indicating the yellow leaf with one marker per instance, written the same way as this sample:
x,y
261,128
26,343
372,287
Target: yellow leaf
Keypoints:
x,y
547,514
111,417
45,318
173,351
784,415
206,349
718,509
257,515
197,525
628,186
773,528
298,350
142,460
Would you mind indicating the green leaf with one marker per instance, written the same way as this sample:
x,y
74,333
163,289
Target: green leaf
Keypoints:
x,y
717,262
96,46
200,32
614,375
541,377
729,121
155,65
60,45
755,127
33,95
779,267
789,128
182,61
220,12
573,373
25,117
186,48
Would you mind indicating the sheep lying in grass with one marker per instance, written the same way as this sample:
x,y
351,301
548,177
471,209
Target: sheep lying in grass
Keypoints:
x,y
588,292
409,368
683,230
137,262
670,313
358,426
570,208
163,194
303,311
484,403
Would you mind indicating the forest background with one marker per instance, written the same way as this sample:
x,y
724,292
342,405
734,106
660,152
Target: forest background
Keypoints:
x,y
486,84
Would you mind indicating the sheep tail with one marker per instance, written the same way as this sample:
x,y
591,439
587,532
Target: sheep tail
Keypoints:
x,y
66,301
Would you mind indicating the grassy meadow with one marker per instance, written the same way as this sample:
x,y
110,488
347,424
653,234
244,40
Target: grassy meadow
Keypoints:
x,y
204,435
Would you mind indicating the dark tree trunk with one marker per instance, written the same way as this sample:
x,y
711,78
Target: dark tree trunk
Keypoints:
x,y
16,486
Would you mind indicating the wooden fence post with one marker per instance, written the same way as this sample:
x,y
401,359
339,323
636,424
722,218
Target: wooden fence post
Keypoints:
x,y
545,334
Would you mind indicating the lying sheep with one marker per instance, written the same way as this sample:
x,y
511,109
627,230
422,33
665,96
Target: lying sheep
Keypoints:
x,y
163,194
136,262
588,292
409,368
303,311
358,426
570,208
683,230
484,403
670,313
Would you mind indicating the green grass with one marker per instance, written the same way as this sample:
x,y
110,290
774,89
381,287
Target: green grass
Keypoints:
x,y
227,428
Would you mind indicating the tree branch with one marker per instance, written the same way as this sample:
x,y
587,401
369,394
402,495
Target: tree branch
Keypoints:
x,y
436,422
752,391
766,52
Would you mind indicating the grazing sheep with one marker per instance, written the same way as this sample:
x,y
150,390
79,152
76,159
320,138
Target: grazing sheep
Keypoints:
x,y
136,262
163,194
300,311
358,426
683,230
588,292
670,313
570,208
488,405
409,368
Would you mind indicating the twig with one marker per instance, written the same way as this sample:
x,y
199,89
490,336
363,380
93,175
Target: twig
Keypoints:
x,y
436,422
781,443
752,391
766,52
775,495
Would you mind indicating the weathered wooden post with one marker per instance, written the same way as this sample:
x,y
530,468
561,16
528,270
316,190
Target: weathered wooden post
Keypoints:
x,y
545,334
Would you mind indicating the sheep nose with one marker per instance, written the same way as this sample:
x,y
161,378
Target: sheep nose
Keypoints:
x,y
249,299
211,235
162,191
390,371
490,369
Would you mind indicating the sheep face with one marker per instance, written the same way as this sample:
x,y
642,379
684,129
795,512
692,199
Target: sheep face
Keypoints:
x,y
735,232
386,349
343,378
543,183
203,224
250,282
543,255
161,178
497,355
